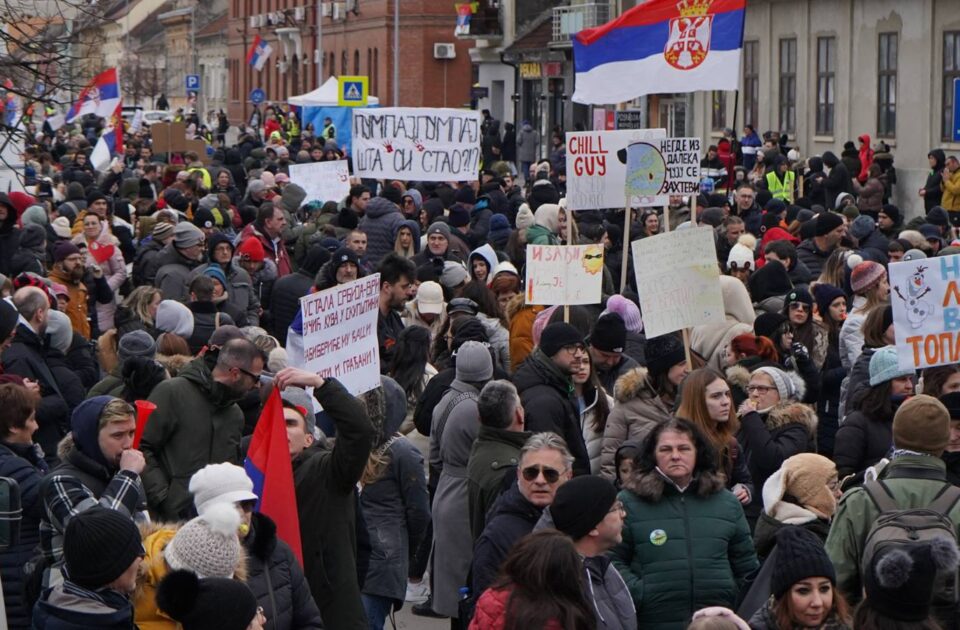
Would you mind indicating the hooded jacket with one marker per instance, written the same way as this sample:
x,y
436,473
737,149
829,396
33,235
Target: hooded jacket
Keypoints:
x,y
9,235
511,518
484,252
861,442
932,192
197,422
710,340
838,180
951,192
681,550
528,144
379,224
173,273
637,409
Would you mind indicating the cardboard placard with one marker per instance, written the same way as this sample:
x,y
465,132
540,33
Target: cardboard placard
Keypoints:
x,y
564,274
597,166
925,295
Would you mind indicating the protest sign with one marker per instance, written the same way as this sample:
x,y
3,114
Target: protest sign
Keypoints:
x,y
564,274
340,333
597,166
660,168
322,181
416,143
925,295
678,280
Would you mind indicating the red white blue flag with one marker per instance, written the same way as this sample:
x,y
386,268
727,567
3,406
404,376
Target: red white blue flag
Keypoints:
x,y
100,97
660,47
259,53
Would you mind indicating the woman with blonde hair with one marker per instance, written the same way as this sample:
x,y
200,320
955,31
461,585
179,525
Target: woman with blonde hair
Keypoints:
x,y
139,311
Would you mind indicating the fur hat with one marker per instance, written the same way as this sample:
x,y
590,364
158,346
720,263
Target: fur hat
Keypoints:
x,y
922,424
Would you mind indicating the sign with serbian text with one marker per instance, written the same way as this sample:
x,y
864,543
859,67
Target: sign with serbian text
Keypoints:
x,y
597,166
925,295
564,274
659,169
340,333
678,280
322,181
416,143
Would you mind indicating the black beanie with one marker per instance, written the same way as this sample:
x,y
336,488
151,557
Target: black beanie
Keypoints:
x,y
952,402
662,353
891,211
99,544
8,319
800,555
557,335
766,324
901,580
581,503
771,280
827,222
609,333
199,604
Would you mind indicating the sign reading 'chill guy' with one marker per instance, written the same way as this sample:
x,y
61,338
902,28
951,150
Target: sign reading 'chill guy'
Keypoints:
x,y
416,143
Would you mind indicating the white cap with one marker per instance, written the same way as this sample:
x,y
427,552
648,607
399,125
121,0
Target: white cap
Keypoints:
x,y
220,483
430,298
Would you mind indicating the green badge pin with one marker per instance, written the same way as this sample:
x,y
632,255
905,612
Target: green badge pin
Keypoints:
x,y
658,537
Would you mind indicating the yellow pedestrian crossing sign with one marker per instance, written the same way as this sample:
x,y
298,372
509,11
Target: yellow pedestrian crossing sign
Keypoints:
x,y
353,91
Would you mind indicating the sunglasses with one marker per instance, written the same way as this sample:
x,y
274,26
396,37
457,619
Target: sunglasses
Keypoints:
x,y
551,475
799,306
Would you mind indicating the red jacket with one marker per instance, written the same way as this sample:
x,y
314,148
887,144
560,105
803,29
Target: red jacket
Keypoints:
x,y
491,612
278,253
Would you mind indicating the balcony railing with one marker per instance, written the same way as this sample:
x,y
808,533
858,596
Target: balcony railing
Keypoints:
x,y
568,21
485,23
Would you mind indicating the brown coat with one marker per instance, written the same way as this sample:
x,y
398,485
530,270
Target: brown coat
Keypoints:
x,y
521,318
636,411
77,308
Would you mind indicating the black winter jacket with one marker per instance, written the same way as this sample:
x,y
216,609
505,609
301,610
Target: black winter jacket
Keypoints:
x,y
9,236
276,579
861,442
511,518
933,194
285,301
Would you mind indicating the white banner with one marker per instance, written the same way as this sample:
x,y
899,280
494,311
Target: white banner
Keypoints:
x,y
323,181
678,280
564,274
659,169
416,143
597,166
925,295
340,333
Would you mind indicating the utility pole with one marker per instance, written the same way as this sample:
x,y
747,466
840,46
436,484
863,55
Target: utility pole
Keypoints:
x,y
396,53
320,43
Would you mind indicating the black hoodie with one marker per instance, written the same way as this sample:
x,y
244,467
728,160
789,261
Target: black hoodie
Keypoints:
x,y
9,235
932,194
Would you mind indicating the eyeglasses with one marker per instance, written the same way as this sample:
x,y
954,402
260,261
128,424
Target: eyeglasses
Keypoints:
x,y
255,377
574,348
550,475
760,389
617,507
799,306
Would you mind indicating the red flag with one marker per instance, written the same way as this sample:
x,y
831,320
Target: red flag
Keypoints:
x,y
268,465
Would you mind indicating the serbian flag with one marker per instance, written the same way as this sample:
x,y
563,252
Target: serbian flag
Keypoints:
x,y
100,97
660,47
268,465
259,53
110,142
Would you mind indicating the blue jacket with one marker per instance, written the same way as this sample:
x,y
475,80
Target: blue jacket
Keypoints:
x,y
379,224
70,607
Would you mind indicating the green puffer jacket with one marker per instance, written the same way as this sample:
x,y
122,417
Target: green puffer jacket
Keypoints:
x,y
539,235
681,551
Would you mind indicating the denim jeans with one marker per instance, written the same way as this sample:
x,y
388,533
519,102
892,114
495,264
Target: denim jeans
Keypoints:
x,y
377,609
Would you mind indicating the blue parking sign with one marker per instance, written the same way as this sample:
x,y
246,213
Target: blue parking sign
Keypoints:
x,y
192,82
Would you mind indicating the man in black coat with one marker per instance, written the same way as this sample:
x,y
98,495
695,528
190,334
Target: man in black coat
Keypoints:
x,y
9,233
287,291
837,181
546,389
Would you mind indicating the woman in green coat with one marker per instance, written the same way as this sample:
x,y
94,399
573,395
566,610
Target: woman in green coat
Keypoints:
x,y
686,544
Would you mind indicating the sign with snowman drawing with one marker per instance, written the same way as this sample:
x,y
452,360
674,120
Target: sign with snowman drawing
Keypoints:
x,y
925,295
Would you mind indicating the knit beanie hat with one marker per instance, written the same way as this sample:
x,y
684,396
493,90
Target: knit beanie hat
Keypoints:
x,y
207,545
342,256
557,335
8,319
298,398
767,324
787,383
581,503
922,424
187,235
99,545
200,604
609,333
524,217
800,555
913,254
740,258
459,216
663,352
174,317
162,230
59,330
63,250
453,274
827,222
805,477
61,227
441,228
252,249
866,275
771,280
952,402
899,583
474,363
892,212
626,309
938,216
215,272
136,343
220,483
799,295
862,227
884,366
824,294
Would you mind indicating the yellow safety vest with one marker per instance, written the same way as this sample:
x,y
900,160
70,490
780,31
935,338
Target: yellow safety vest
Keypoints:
x,y
781,190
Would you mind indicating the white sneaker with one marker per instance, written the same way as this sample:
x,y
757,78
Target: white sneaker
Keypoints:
x,y
417,592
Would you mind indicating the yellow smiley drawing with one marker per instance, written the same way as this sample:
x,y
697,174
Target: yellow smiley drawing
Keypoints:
x,y
593,259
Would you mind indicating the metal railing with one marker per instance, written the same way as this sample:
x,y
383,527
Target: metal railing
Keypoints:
x,y
568,21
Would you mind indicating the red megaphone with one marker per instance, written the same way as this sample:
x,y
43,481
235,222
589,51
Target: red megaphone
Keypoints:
x,y
144,409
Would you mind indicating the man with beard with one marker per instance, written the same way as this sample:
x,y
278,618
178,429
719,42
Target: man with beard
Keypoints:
x,y
197,422
396,288
68,270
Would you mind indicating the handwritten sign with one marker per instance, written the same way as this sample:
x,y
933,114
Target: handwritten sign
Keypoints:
x,y
340,333
416,143
925,295
564,274
678,280
661,168
322,181
597,166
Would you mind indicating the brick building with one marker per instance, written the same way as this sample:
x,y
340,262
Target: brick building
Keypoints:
x,y
355,38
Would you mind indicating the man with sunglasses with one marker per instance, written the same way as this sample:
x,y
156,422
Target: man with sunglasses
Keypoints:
x,y
197,422
545,465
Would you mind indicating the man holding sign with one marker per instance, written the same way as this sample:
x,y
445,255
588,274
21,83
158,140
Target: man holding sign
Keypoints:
x,y
396,289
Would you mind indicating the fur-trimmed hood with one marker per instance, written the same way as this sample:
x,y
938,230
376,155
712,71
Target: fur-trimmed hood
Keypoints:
x,y
791,412
650,486
633,384
738,375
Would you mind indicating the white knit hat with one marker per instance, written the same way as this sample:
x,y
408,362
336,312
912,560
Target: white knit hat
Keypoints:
x,y
208,545
220,483
742,257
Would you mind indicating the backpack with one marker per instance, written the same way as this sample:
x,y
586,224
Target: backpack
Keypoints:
x,y
897,527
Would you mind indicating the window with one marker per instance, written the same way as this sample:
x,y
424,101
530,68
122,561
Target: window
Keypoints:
x,y
788,86
751,82
376,72
826,83
951,71
887,85
333,66
369,61
718,113
356,62
343,62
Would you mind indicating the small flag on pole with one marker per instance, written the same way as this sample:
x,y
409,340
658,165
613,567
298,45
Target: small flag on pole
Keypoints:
x,y
259,53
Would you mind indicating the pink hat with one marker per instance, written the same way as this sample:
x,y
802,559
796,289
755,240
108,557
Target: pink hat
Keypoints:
x,y
281,178
626,309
